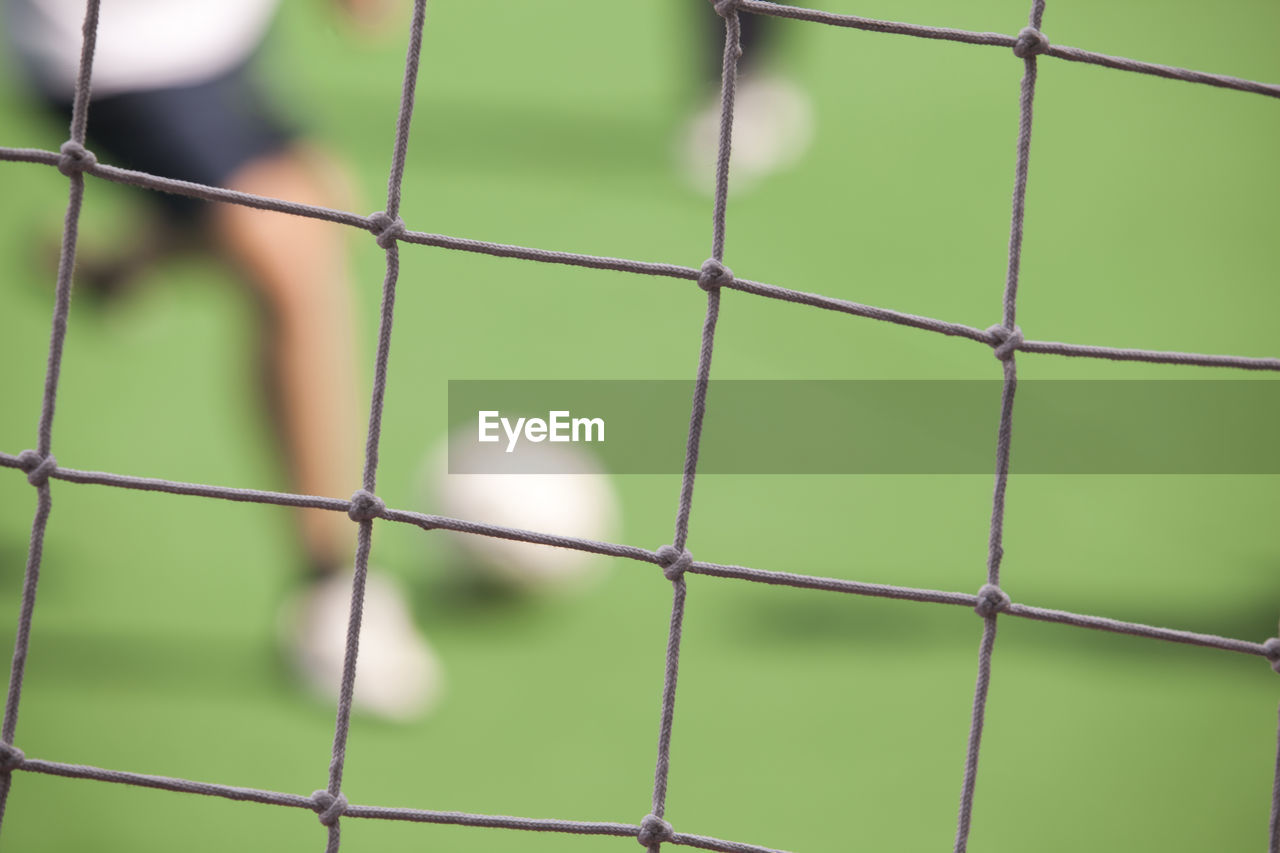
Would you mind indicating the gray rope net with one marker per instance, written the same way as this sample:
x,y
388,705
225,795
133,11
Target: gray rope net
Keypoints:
x,y
675,561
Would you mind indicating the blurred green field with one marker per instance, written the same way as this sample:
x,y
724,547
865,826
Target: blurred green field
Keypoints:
x,y
806,721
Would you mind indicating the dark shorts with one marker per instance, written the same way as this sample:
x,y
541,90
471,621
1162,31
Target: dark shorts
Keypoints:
x,y
203,132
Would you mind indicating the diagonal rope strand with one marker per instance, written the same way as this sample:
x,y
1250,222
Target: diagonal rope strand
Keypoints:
x,y
631,552
549,256
297,801
1070,54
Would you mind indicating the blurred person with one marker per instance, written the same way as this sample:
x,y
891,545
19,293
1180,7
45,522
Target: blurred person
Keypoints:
x,y
773,118
175,95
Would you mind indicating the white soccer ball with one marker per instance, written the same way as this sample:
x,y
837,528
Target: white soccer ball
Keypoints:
x,y
582,505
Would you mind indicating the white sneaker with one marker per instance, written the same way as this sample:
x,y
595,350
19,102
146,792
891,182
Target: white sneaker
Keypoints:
x,y
773,126
398,676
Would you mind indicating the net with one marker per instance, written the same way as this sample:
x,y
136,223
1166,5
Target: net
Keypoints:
x,y
675,561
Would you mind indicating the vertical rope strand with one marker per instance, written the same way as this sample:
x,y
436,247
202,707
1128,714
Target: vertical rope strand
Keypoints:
x,y
995,550
1275,799
44,505
53,372
728,90
728,87
70,229
732,51
696,416
394,183
978,718
1008,339
1004,444
1020,174
659,803
364,538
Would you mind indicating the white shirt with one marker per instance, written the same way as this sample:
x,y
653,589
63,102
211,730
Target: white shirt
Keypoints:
x,y
142,44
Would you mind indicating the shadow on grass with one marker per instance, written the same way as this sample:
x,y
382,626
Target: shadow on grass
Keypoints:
x,y
805,618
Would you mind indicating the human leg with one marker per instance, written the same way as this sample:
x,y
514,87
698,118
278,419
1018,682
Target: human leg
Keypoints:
x,y
221,133
297,267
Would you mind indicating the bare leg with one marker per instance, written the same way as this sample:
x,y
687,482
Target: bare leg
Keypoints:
x,y
298,267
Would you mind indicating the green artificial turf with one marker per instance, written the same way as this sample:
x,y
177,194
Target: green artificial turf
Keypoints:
x,y
805,721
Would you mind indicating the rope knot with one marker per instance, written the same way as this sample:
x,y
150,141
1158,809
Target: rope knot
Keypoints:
x,y
38,467
714,275
654,830
725,8
1030,42
386,229
1005,341
328,807
11,758
991,600
674,563
365,506
75,158
1271,648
